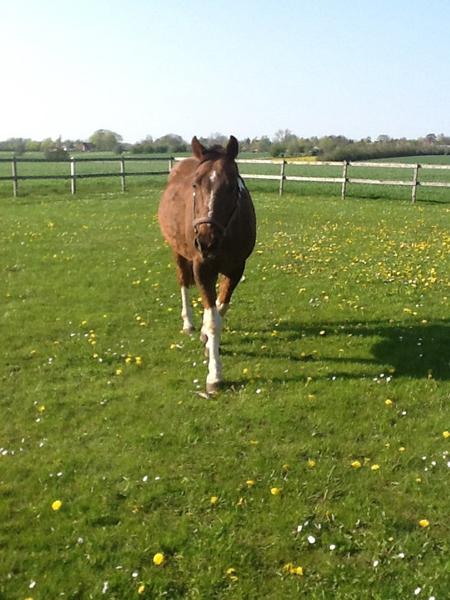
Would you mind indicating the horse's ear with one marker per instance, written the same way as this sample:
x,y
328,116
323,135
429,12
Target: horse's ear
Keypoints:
x,y
197,148
232,149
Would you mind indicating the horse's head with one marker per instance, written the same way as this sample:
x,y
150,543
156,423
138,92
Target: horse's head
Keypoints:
x,y
215,191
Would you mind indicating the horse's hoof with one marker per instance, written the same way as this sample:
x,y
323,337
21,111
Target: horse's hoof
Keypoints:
x,y
213,388
189,330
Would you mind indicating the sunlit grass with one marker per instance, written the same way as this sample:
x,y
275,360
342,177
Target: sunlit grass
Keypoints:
x,y
336,361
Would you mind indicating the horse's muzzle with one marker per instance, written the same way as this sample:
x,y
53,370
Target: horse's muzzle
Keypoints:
x,y
207,240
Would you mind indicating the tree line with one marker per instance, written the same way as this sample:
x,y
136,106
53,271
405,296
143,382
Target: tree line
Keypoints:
x,y
284,143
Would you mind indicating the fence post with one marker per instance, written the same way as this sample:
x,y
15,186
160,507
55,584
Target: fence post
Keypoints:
x,y
170,163
415,183
345,180
122,172
14,176
73,175
282,176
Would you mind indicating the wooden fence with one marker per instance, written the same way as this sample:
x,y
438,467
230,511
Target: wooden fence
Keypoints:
x,y
73,175
344,180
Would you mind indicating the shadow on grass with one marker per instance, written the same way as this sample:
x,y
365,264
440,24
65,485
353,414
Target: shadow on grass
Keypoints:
x,y
416,351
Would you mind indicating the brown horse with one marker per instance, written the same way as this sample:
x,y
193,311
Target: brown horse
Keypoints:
x,y
207,216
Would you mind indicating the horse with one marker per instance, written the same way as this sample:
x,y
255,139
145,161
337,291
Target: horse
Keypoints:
x,y
207,216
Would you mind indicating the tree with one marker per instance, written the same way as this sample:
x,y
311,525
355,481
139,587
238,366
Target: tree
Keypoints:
x,y
284,136
170,142
16,145
105,140
262,144
216,138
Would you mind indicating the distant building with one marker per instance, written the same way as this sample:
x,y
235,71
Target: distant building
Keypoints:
x,y
84,146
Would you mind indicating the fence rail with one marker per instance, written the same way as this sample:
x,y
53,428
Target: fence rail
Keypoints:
x,y
344,180
73,175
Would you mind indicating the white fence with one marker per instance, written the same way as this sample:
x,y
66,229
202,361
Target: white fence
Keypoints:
x,y
345,180
68,170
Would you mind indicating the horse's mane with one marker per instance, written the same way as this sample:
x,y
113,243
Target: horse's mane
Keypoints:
x,y
215,152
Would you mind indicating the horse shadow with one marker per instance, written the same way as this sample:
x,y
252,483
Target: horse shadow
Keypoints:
x,y
418,350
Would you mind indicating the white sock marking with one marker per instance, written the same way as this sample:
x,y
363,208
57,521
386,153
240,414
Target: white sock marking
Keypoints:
x,y
212,325
186,309
222,308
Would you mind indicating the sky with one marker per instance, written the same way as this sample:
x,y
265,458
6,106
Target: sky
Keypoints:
x,y
242,67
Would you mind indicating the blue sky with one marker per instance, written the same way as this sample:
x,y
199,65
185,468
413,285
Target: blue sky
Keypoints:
x,y
192,67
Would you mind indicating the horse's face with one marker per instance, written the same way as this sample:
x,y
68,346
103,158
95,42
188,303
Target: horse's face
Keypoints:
x,y
215,191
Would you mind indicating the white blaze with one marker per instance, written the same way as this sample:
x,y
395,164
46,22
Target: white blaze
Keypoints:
x,y
212,179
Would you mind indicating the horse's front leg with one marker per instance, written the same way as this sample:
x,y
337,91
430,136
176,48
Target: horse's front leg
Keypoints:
x,y
226,289
212,327
212,324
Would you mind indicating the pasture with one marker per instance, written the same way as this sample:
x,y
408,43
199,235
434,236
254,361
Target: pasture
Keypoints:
x,y
322,469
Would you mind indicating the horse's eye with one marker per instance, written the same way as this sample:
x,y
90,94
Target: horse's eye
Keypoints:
x,y
194,185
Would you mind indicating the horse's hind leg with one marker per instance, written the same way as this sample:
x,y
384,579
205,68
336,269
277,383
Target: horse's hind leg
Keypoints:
x,y
226,289
185,277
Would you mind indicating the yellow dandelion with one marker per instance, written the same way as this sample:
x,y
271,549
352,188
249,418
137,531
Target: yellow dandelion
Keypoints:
x,y
56,505
138,360
141,589
41,408
275,491
119,371
424,523
311,463
292,569
356,464
388,402
128,360
375,467
446,435
402,449
250,483
214,500
245,371
231,573
159,559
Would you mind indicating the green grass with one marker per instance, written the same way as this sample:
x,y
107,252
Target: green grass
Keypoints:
x,y
344,305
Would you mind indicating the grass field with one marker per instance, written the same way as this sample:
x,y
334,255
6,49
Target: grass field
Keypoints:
x,y
321,471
